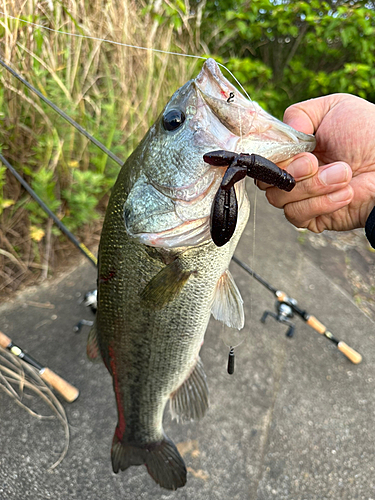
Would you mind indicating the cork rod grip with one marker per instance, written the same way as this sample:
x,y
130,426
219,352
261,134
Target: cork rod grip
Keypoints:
x,y
4,340
67,391
316,324
350,353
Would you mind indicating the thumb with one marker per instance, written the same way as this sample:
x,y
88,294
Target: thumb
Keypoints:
x,y
306,116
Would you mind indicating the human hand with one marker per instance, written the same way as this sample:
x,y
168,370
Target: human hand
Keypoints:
x,y
335,187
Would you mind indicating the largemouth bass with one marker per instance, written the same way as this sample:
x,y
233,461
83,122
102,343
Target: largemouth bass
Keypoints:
x,y
160,275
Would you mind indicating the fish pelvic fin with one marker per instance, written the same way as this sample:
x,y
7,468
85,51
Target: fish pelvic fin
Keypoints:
x,y
228,303
191,400
92,349
162,459
165,285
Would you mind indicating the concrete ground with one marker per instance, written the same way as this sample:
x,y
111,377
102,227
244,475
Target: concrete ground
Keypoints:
x,y
296,421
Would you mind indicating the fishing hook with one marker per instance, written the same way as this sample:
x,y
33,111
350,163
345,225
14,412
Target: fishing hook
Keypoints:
x,y
231,97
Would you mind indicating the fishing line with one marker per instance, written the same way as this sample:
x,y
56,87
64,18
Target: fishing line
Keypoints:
x,y
252,258
231,356
113,42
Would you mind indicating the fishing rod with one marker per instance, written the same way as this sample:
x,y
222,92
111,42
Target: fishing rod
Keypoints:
x,y
67,391
287,306
63,114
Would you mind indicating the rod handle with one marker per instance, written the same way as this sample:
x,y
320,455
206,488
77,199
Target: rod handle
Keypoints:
x,y
4,340
349,352
316,324
67,391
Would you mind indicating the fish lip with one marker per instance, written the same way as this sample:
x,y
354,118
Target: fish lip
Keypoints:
x,y
211,74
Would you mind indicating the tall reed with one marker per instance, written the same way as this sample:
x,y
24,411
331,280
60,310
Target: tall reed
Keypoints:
x,y
114,91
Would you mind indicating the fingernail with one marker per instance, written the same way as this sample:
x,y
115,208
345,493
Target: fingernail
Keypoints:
x,y
300,168
334,175
342,195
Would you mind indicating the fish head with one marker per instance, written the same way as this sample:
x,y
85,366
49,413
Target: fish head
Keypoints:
x,y
171,187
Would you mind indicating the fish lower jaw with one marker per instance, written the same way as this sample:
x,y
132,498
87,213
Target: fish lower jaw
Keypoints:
x,y
190,192
188,234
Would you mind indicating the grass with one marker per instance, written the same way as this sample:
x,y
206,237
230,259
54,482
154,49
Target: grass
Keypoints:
x,y
115,92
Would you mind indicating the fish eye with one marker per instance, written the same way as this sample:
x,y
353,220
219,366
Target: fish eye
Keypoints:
x,y
173,119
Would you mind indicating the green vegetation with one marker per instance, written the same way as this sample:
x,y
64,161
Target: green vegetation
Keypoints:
x,y
281,51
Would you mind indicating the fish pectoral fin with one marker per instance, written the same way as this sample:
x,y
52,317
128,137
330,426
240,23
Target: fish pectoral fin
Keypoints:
x,y
92,349
228,303
162,459
190,401
165,285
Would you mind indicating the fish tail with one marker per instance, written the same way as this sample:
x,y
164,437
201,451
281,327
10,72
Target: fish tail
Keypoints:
x,y
162,459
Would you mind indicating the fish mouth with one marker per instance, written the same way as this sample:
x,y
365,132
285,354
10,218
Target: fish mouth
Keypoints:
x,y
233,110
257,131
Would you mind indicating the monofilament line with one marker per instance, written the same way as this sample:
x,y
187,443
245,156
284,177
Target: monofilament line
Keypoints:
x,y
113,42
89,37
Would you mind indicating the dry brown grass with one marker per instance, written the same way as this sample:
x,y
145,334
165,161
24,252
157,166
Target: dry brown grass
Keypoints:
x,y
23,384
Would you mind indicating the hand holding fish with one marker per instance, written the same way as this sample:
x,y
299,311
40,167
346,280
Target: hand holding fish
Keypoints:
x,y
336,185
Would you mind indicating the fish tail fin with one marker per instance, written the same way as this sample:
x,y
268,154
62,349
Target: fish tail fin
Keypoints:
x,y
162,459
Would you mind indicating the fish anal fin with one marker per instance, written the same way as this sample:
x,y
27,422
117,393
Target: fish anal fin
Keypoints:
x,y
190,401
92,349
228,303
162,459
165,285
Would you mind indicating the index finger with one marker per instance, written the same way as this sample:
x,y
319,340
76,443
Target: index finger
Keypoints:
x,y
301,166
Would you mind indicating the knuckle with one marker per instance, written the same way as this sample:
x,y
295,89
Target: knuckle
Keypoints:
x,y
293,215
307,186
314,227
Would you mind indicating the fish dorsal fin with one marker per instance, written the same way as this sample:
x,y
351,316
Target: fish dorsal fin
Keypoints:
x,y
228,303
92,349
190,401
165,285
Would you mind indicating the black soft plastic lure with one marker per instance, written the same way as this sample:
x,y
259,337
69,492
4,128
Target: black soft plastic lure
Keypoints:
x,y
225,208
